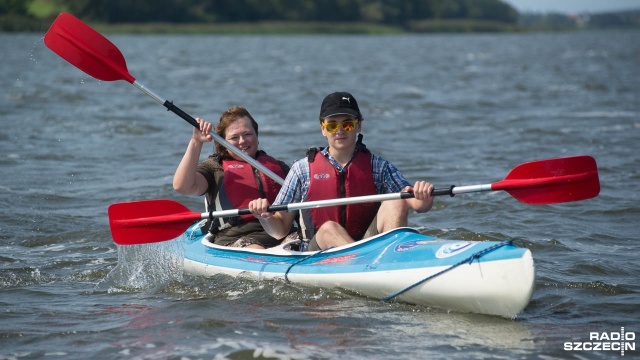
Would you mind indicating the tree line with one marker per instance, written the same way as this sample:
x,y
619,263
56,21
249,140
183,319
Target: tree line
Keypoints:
x,y
410,15
388,12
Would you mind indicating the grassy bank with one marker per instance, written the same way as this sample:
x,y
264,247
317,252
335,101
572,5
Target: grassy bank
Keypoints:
x,y
461,26
247,28
20,23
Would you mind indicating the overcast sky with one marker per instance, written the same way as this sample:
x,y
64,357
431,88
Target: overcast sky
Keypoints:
x,y
573,6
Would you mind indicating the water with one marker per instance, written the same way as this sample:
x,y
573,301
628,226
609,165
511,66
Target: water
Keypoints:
x,y
451,109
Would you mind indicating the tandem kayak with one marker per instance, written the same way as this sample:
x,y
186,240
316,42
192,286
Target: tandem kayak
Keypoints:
x,y
493,278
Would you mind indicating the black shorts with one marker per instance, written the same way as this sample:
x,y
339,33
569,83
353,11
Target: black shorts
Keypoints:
x,y
244,235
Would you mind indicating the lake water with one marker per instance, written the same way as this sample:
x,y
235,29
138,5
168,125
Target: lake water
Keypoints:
x,y
451,109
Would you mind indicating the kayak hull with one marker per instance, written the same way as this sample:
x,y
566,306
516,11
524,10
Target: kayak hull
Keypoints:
x,y
493,278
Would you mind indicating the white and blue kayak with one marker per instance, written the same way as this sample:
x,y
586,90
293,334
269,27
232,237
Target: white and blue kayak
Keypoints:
x,y
494,278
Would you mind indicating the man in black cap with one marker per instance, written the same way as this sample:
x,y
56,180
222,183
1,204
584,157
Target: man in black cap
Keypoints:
x,y
345,168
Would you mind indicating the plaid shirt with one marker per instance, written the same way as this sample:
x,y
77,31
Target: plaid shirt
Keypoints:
x,y
296,186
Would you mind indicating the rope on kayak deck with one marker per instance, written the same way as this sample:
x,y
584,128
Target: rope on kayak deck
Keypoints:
x,y
286,273
468,260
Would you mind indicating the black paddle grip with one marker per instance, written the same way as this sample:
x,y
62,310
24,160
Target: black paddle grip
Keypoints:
x,y
272,208
176,110
445,191
406,195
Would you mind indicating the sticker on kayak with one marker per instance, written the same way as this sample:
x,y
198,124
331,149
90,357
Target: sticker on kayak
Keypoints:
x,y
414,243
449,250
255,259
336,259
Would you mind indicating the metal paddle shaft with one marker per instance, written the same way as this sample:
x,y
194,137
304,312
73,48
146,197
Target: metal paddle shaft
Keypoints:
x,y
89,51
148,221
538,182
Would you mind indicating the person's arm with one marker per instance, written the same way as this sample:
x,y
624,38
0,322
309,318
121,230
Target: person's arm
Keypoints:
x,y
422,200
186,179
277,225
394,181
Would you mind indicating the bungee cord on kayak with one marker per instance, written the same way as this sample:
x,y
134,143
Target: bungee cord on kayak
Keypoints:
x,y
469,260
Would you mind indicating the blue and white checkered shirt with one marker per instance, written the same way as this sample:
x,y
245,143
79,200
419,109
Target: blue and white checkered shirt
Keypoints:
x,y
294,190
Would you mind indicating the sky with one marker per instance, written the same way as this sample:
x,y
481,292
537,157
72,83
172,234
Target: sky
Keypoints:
x,y
573,6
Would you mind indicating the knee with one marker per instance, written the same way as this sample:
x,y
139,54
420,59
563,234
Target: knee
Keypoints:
x,y
332,233
329,227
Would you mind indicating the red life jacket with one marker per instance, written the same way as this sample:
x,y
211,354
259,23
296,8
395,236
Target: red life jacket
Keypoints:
x,y
242,183
356,179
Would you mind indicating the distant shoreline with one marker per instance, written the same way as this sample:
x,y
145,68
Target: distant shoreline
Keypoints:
x,y
461,16
16,24
432,26
273,27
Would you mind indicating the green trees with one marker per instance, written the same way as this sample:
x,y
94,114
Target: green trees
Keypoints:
x,y
13,7
388,12
14,16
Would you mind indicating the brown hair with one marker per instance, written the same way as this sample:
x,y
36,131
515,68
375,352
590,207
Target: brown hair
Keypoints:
x,y
227,118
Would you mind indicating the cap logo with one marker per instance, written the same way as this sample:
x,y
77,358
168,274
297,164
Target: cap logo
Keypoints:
x,y
347,98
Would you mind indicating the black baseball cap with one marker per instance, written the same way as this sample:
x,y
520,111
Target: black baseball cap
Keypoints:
x,y
339,103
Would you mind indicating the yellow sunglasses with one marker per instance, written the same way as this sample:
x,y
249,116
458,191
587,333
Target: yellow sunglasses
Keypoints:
x,y
346,125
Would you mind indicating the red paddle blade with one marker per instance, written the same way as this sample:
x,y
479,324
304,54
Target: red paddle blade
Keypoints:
x,y
86,49
163,220
552,181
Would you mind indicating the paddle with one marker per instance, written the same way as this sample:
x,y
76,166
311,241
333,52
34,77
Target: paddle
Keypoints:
x,y
86,49
538,182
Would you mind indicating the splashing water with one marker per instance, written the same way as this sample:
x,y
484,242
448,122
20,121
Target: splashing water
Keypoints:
x,y
147,267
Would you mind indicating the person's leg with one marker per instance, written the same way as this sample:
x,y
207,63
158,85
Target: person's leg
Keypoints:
x,y
392,214
372,230
332,234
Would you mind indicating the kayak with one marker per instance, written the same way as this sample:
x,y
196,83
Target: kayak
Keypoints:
x,y
486,277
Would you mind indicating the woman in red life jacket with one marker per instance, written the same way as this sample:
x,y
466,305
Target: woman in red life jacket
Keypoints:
x,y
228,181
345,168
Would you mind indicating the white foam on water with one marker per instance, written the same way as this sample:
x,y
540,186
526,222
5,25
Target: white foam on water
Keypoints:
x,y
145,267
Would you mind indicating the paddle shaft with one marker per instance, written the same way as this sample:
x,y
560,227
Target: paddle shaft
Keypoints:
x,y
289,207
451,191
507,184
188,118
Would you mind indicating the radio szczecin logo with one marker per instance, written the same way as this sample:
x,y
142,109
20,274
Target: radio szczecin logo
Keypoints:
x,y
606,341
